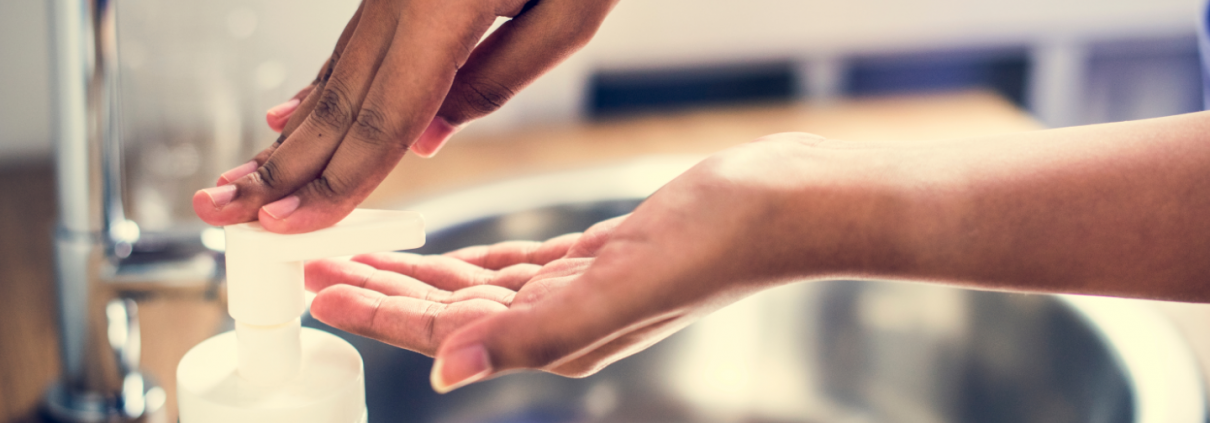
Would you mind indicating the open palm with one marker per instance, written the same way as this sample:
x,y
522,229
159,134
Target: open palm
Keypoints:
x,y
577,303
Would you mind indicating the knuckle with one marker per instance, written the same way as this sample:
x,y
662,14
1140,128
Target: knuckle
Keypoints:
x,y
372,128
428,320
269,175
329,187
333,108
372,325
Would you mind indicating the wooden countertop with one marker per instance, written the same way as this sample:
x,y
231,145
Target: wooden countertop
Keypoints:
x,y
483,157
28,343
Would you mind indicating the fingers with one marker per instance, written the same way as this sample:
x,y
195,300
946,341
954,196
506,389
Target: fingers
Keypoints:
x,y
305,152
279,115
504,254
401,100
405,322
236,173
449,273
509,59
341,139
208,203
321,274
571,322
497,256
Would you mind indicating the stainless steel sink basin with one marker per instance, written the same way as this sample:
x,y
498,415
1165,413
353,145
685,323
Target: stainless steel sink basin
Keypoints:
x,y
842,351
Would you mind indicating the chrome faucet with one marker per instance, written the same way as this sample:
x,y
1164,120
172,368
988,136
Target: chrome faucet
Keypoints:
x,y
103,263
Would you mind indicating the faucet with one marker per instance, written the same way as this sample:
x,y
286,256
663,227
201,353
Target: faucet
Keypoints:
x,y
104,265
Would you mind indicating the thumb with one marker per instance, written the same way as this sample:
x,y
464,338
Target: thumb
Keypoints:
x,y
566,325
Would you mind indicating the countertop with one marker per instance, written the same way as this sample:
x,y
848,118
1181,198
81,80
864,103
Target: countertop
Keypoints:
x,y
28,344
482,157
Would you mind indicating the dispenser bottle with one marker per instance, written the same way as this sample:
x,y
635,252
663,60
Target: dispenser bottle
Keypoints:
x,y
270,368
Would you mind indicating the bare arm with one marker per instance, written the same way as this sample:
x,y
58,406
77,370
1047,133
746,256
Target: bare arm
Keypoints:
x,y
1120,209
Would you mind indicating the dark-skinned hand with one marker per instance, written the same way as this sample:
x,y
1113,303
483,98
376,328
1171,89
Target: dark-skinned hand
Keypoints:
x,y
405,75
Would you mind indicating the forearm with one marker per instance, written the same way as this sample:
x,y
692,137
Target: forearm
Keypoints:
x,y
1120,209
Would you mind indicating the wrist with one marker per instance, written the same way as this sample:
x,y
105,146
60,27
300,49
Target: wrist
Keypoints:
x,y
839,210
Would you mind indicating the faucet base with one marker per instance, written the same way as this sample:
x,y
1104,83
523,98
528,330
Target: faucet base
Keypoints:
x,y
141,400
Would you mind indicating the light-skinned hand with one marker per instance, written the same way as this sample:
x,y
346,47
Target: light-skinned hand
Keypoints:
x,y
578,302
405,74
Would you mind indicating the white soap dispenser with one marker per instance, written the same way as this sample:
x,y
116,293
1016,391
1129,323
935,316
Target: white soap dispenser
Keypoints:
x,y
270,368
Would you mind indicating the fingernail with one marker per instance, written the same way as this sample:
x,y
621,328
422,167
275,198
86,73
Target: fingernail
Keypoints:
x,y
434,137
282,208
220,196
462,367
236,173
284,108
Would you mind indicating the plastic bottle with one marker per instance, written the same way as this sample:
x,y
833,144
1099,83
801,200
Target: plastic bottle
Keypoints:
x,y
270,369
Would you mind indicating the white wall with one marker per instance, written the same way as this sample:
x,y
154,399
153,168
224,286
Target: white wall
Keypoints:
x,y
640,33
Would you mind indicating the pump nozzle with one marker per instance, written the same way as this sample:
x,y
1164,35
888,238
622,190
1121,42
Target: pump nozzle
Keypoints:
x,y
265,281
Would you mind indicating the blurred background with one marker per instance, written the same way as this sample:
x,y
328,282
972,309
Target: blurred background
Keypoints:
x,y
198,75
660,77
212,68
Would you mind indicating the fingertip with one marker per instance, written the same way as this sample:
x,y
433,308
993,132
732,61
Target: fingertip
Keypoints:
x,y
237,172
276,124
285,109
434,137
208,203
460,367
317,274
323,273
346,307
276,216
282,209
291,215
277,116
202,206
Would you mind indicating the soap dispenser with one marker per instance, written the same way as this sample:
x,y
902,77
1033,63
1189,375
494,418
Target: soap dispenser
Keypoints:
x,y
270,368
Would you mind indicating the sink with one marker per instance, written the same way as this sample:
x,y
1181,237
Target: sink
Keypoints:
x,y
838,351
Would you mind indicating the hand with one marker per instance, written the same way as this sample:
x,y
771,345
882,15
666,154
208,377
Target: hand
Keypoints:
x,y
576,303
405,74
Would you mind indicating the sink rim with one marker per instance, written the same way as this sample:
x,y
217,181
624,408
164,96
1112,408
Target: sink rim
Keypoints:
x,y
1164,375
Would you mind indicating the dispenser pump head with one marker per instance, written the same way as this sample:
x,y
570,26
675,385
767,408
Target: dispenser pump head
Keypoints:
x,y
265,281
